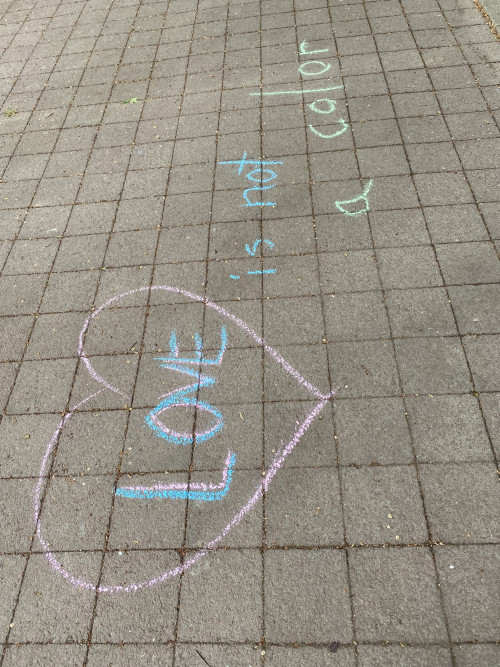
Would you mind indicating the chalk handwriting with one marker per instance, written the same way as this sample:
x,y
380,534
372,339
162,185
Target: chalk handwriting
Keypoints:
x,y
182,397
324,67
251,251
165,490
362,197
305,70
188,490
296,92
261,272
331,106
256,176
322,106
335,134
304,49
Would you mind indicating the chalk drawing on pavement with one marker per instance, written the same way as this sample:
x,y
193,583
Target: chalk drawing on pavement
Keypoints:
x,y
182,397
169,490
251,252
324,67
185,490
330,103
318,133
302,91
363,197
305,51
256,175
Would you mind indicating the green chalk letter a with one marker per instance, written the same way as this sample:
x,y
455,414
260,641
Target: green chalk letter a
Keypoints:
x,y
362,197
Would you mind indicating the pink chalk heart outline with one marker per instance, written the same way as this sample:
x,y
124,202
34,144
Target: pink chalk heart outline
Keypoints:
x,y
274,467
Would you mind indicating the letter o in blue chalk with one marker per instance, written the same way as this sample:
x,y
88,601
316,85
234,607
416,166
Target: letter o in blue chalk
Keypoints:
x,y
331,106
155,423
324,67
261,178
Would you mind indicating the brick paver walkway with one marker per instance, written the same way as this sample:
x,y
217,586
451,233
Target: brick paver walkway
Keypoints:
x,y
319,174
